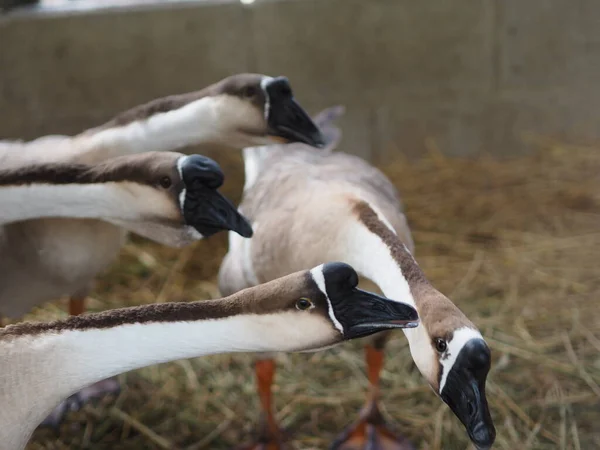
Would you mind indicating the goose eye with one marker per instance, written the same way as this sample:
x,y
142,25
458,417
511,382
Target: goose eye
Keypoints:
x,y
165,182
303,304
440,345
249,91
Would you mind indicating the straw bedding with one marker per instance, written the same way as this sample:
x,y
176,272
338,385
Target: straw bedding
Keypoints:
x,y
515,244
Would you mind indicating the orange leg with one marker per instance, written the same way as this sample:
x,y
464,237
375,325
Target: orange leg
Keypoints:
x,y
370,432
76,305
270,436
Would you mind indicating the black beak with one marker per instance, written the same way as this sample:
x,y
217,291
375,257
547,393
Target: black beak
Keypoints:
x,y
363,313
464,392
203,206
286,118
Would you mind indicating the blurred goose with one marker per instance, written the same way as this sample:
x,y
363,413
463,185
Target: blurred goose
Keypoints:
x,y
168,197
308,207
305,311
238,111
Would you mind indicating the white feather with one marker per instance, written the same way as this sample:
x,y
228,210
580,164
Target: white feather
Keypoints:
x,y
319,279
459,339
39,371
100,201
190,124
263,84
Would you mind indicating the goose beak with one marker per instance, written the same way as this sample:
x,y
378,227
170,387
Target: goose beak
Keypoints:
x,y
464,392
286,119
365,313
204,207
216,214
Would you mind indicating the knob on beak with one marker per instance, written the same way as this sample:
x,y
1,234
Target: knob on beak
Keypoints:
x,y
286,118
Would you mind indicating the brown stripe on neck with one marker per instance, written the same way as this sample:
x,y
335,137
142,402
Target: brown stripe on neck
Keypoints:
x,y
157,106
61,174
410,269
271,297
437,313
159,312
235,85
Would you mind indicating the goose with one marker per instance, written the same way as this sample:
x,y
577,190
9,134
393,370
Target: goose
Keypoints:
x,y
238,111
42,363
307,207
170,198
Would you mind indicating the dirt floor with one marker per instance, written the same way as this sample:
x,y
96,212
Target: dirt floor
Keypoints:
x,y
515,244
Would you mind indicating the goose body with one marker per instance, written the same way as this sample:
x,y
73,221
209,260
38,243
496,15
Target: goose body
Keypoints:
x,y
42,259
169,197
307,207
308,310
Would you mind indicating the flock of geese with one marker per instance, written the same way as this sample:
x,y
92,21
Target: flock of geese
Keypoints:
x,y
311,221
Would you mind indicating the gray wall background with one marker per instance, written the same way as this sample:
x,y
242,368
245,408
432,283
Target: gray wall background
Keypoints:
x,y
468,76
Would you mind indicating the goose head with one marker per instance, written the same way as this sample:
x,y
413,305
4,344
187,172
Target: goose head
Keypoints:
x,y
316,309
176,195
255,109
242,110
202,206
455,359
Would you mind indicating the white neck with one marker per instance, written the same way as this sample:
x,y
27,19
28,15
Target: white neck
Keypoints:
x,y
254,160
134,207
195,123
92,201
39,371
371,257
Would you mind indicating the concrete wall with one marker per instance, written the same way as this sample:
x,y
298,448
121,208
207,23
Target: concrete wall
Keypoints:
x,y
468,76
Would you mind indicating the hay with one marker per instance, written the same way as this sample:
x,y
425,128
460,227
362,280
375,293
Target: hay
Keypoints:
x,y
515,244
